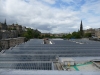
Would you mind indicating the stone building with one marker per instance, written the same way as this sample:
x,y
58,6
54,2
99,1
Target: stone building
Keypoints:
x,y
11,27
5,32
9,35
16,27
3,26
91,31
97,33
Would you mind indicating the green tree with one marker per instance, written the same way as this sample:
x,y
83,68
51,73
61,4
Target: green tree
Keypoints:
x,y
47,35
87,35
28,34
76,35
36,34
69,36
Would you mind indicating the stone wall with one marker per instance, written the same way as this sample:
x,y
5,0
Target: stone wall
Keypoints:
x,y
11,42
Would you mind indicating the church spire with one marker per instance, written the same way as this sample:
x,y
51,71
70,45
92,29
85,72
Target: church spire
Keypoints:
x,y
81,26
5,22
81,29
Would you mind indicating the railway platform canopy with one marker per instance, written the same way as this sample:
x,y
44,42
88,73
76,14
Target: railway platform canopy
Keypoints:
x,y
82,57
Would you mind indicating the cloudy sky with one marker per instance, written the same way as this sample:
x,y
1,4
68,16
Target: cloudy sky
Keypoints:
x,y
55,16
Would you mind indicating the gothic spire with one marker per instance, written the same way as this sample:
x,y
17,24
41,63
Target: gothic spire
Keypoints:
x,y
81,29
81,26
5,22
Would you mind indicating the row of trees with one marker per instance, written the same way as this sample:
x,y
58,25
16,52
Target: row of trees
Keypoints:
x,y
30,33
48,36
77,35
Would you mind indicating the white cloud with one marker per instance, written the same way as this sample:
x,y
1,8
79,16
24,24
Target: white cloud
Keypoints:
x,y
90,12
68,1
76,2
36,14
86,27
50,1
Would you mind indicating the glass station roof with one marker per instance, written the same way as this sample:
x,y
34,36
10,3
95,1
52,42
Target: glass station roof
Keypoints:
x,y
34,55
